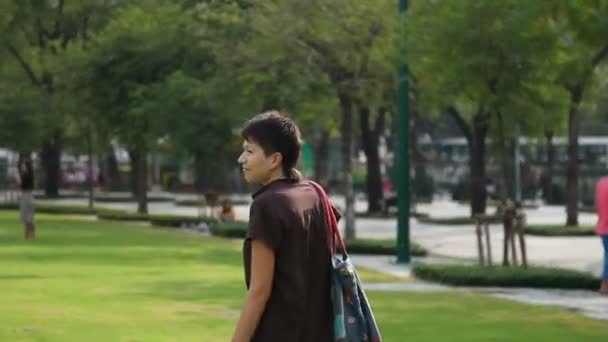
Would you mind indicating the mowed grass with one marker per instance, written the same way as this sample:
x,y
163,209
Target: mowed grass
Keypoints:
x,y
84,280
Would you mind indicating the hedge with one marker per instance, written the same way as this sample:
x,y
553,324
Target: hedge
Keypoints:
x,y
115,214
100,197
177,221
53,209
174,221
198,203
533,277
460,220
560,230
237,229
118,215
389,215
129,198
381,247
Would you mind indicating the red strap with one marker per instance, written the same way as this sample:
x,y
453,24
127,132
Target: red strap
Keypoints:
x,y
333,232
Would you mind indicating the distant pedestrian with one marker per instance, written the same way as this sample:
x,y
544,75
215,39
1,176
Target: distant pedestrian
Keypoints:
x,y
601,204
25,179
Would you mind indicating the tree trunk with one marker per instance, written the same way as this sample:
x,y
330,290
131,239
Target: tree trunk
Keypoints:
x,y
322,157
548,176
478,165
346,107
572,172
476,141
142,185
90,180
134,161
111,174
139,177
505,191
371,140
51,161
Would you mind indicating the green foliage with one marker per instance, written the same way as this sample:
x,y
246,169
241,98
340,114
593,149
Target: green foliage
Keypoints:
x,y
536,277
174,221
464,220
237,230
121,216
487,57
53,209
559,230
177,221
381,247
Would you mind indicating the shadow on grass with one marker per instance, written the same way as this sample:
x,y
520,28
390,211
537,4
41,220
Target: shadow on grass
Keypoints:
x,y
141,255
226,291
19,276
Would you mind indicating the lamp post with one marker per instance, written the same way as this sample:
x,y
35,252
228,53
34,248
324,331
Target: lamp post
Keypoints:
x,y
403,162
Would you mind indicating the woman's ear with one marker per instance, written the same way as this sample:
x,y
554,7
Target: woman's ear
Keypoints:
x,y
277,159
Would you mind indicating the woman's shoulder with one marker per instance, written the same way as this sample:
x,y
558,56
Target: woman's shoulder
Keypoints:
x,y
271,200
282,198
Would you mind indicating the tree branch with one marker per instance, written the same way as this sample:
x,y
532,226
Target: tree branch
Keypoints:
x,y
57,30
41,32
600,56
461,123
26,67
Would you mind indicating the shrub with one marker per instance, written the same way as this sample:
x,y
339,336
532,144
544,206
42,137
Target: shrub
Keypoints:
x,y
237,229
535,277
118,215
177,220
198,203
446,220
381,247
559,230
53,209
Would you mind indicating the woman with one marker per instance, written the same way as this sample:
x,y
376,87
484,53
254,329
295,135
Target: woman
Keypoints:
x,y
25,180
601,204
286,258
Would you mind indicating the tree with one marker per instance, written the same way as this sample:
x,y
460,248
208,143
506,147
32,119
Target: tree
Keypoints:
x,y
489,64
338,37
122,78
262,75
585,48
36,35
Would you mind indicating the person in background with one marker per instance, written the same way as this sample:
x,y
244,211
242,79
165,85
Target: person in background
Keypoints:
x,y
227,212
25,179
601,204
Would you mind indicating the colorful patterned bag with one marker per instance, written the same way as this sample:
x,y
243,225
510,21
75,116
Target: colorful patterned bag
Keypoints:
x,y
353,317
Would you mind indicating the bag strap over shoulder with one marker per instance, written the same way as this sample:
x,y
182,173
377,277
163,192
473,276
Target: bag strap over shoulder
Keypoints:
x,y
333,232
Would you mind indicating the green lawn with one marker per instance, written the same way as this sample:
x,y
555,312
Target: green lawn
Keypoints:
x,y
104,281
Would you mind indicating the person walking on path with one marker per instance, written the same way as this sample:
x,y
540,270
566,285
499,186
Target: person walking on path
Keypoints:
x,y
25,179
286,254
601,204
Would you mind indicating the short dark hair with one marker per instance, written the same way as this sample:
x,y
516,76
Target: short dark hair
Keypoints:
x,y
275,132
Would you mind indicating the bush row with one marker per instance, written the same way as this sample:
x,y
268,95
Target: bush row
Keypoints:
x,y
535,277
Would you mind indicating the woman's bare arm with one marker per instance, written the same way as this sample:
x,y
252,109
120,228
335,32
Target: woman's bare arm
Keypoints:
x,y
262,273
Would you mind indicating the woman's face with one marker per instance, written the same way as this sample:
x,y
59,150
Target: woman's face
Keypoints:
x,y
256,165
